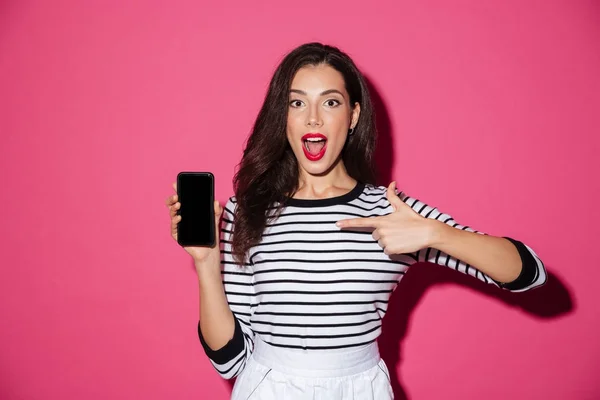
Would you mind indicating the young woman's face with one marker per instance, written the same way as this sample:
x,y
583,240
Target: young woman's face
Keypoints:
x,y
319,116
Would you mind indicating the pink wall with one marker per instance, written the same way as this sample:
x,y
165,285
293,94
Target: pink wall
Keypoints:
x,y
491,113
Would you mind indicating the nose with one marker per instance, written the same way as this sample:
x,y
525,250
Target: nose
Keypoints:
x,y
314,117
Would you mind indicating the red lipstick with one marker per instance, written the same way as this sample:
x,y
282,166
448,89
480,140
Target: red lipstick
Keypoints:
x,y
307,145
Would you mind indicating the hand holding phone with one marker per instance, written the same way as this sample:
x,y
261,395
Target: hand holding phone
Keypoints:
x,y
194,203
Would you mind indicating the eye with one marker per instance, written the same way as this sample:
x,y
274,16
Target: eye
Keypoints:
x,y
332,103
295,103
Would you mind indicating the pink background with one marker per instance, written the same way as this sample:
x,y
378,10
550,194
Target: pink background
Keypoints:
x,y
488,111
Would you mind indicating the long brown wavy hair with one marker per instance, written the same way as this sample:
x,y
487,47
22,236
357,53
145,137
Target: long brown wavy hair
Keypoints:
x,y
268,172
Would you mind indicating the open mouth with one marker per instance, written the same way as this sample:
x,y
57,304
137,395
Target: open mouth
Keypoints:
x,y
314,146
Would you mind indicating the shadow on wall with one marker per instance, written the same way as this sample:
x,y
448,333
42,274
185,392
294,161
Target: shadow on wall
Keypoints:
x,y
549,301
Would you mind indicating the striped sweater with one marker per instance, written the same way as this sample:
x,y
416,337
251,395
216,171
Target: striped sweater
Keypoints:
x,y
310,285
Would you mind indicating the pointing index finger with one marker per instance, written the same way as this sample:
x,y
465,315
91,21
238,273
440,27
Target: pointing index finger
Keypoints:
x,y
367,222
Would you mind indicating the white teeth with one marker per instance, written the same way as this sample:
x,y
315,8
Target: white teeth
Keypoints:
x,y
313,140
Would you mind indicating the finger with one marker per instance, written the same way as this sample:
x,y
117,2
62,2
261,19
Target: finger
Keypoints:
x,y
171,200
174,221
218,209
175,186
218,213
369,222
174,208
393,198
376,234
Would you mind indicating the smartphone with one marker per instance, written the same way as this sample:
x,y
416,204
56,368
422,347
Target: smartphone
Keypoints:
x,y
196,193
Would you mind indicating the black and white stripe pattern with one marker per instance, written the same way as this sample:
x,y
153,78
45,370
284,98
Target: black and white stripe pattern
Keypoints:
x,y
309,285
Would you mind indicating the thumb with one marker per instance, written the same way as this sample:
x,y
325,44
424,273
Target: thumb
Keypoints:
x,y
393,198
218,213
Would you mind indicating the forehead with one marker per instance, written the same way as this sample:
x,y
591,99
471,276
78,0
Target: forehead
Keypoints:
x,y
318,78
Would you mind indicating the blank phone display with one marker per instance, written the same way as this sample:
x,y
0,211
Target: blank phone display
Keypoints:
x,y
197,225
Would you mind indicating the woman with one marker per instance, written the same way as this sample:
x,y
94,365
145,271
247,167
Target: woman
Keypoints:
x,y
296,308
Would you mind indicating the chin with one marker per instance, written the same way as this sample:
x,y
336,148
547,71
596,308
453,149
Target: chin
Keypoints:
x,y
317,171
319,168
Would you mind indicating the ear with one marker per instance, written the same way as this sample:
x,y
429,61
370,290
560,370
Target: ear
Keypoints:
x,y
355,115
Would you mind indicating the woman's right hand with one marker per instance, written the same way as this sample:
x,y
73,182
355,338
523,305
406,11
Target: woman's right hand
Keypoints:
x,y
201,255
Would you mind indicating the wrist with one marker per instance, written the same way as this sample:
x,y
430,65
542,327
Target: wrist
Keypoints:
x,y
436,233
207,269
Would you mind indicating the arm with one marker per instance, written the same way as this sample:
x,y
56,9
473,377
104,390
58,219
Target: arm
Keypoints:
x,y
224,327
502,261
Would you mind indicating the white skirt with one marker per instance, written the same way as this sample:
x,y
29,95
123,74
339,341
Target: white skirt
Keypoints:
x,y
275,373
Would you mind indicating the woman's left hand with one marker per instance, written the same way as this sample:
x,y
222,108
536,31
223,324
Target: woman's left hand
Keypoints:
x,y
402,231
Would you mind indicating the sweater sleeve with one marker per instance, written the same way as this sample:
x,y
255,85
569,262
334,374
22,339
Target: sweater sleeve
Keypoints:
x,y
533,272
230,360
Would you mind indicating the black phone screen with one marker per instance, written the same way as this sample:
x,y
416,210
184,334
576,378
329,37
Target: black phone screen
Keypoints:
x,y
195,191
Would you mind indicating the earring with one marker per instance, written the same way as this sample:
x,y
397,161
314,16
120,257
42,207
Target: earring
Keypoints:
x,y
351,132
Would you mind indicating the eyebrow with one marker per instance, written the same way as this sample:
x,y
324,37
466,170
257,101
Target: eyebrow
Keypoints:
x,y
325,93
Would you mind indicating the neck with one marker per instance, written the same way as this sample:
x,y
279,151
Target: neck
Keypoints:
x,y
334,182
